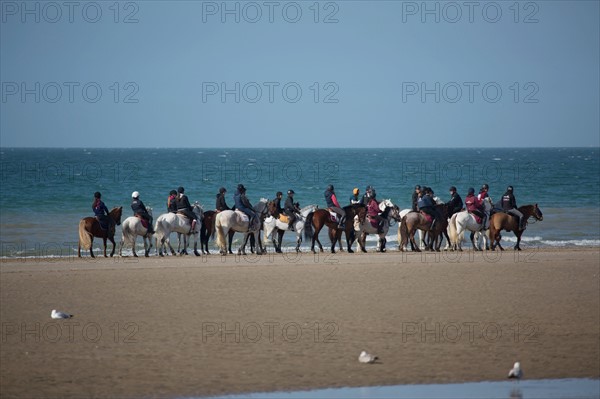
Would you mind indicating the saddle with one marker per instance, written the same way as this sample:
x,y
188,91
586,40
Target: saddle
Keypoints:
x,y
478,218
374,222
333,216
142,220
284,218
103,222
427,217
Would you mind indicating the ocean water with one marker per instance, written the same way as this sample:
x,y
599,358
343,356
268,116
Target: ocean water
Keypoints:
x,y
45,192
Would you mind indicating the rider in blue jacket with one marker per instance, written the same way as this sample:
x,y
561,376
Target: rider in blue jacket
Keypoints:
x,y
242,203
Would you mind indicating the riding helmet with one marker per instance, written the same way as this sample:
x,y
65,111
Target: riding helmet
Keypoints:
x,y
418,187
485,187
291,192
471,191
222,190
180,190
241,187
135,194
278,193
355,191
509,188
97,194
172,192
330,187
452,189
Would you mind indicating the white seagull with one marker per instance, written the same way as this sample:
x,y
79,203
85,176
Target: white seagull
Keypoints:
x,y
56,314
365,357
516,371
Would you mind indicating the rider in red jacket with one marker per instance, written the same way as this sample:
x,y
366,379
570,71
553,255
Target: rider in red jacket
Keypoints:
x,y
473,204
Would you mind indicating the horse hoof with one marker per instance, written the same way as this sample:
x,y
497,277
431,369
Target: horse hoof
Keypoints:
x,y
350,251
196,253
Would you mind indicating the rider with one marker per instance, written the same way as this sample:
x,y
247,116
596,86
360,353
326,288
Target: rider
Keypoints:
x,y
509,205
184,207
101,211
364,200
172,202
221,204
415,197
139,209
483,192
277,202
474,205
373,213
455,203
290,209
242,204
426,205
334,205
354,198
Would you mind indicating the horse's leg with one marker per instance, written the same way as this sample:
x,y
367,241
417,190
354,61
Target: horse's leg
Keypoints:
x,y
475,247
104,241
518,245
231,234
362,241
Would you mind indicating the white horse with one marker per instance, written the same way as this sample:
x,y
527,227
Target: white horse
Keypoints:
x,y
271,225
462,221
133,227
239,222
168,223
389,211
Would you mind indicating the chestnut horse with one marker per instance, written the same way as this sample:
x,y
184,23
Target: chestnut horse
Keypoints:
x,y
315,221
352,211
89,228
503,221
414,221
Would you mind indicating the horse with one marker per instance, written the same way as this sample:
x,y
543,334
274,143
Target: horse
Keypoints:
x,y
414,221
315,221
403,213
272,224
389,212
236,221
354,212
168,223
207,231
503,221
464,220
89,227
133,227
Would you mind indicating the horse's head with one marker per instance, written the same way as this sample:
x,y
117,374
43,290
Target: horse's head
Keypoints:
x,y
537,213
386,203
116,214
487,204
197,209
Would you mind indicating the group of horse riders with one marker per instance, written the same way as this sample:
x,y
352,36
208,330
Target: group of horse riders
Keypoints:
x,y
424,200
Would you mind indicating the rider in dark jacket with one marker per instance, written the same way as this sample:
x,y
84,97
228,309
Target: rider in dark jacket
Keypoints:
x,y
184,207
221,204
242,203
415,198
277,202
456,203
290,209
139,209
426,204
509,205
101,211
364,200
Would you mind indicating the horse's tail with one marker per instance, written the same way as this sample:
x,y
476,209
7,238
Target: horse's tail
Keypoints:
x,y
221,242
308,227
452,230
403,232
85,238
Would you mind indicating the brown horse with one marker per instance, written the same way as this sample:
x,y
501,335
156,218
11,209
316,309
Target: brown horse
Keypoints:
x,y
207,230
315,221
503,221
414,221
89,228
351,211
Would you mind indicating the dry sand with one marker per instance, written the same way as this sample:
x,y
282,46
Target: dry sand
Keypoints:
x,y
168,327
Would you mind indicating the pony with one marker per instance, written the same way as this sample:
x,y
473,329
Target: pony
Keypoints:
x,y
272,224
174,222
389,212
236,221
315,221
89,227
414,221
133,227
462,221
503,221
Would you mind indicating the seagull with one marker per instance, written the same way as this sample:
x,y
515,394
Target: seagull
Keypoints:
x,y
516,371
56,314
365,357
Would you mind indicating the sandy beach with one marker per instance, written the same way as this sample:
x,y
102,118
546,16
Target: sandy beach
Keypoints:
x,y
200,326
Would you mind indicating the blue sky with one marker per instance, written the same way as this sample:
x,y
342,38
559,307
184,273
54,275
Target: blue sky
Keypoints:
x,y
300,74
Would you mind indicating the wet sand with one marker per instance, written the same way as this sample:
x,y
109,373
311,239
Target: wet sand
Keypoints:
x,y
188,326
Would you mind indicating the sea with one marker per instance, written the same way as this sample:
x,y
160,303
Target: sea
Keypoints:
x,y
46,191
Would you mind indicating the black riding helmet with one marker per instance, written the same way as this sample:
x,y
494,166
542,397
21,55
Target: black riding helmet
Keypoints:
x,y
222,190
509,188
485,187
330,187
180,190
471,191
97,194
291,192
173,192
241,188
452,189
